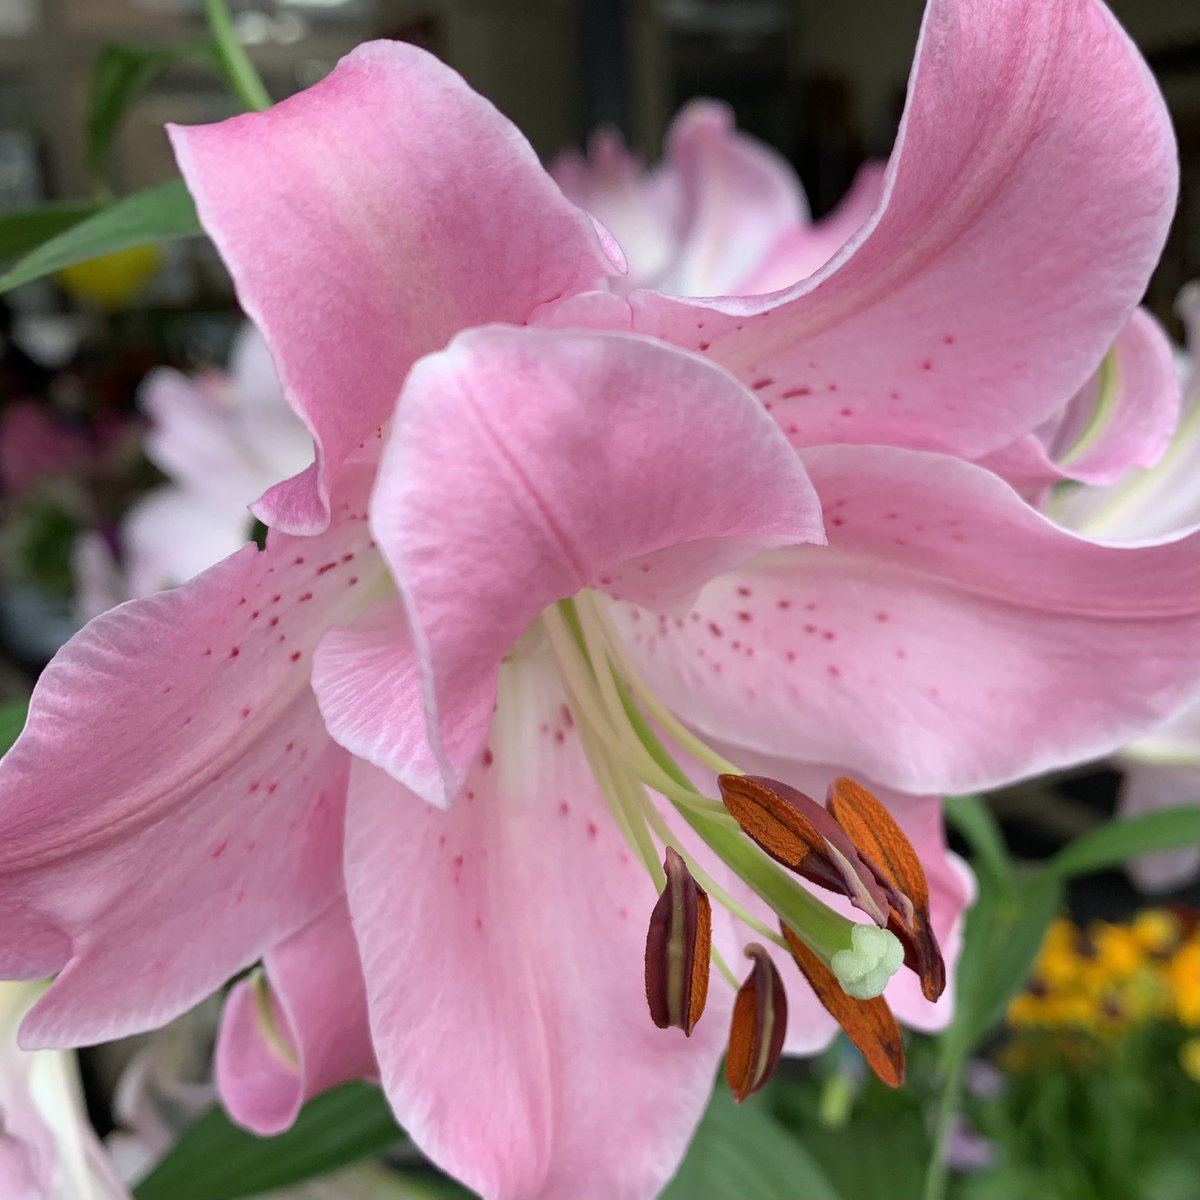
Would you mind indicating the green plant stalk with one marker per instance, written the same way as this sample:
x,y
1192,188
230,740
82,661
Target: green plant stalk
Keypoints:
x,y
235,62
949,1102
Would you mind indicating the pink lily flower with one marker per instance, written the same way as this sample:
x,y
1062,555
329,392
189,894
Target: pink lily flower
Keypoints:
x,y
723,214
222,440
1162,768
549,517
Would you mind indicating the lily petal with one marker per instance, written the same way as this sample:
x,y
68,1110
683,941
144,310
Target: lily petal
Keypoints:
x,y
930,644
1023,212
510,1020
409,206
485,517
1152,503
1123,417
704,220
224,439
737,199
171,535
313,1034
191,776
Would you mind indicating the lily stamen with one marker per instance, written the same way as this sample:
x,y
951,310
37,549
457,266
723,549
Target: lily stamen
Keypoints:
x,y
614,708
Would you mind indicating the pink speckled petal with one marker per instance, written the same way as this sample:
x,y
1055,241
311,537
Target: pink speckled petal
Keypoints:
x,y
510,1020
174,763
317,1008
523,466
1024,209
929,646
367,220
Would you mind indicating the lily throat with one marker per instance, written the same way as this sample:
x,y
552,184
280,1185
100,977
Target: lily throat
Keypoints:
x,y
762,832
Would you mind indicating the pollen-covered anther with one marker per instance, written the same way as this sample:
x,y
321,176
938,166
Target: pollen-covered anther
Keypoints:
x,y
797,831
758,1028
881,844
678,949
855,848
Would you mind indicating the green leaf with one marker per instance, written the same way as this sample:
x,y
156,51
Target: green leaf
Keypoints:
x,y
119,76
232,57
744,1152
1003,934
215,1160
973,820
28,228
157,214
1116,842
12,721
878,1157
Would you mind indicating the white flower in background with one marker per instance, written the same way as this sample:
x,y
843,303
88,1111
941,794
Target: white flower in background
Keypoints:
x,y
48,1150
222,440
1163,768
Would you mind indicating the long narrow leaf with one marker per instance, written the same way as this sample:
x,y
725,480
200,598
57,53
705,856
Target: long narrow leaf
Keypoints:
x,y
119,76
973,819
1003,933
1116,842
215,1160
234,61
28,228
157,214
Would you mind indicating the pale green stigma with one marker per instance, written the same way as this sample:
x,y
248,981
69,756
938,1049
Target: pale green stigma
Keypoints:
x,y
873,958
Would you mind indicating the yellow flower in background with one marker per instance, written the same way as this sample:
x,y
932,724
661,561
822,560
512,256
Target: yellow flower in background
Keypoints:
x,y
1058,962
112,281
1183,974
1157,930
1111,977
1115,954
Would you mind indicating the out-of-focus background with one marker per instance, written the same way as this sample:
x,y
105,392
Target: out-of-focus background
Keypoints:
x,y
821,80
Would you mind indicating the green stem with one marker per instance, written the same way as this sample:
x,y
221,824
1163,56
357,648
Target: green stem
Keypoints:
x,y
938,1174
235,62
